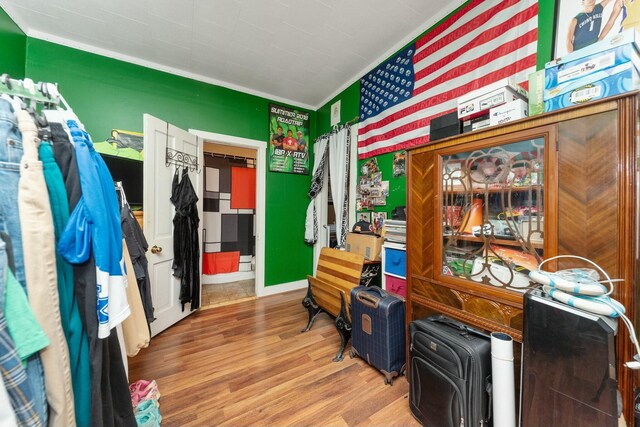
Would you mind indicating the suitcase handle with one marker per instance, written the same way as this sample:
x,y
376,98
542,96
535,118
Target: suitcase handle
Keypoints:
x,y
457,325
368,300
451,322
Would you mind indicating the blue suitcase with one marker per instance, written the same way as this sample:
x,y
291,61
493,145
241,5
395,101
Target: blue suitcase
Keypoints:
x,y
378,330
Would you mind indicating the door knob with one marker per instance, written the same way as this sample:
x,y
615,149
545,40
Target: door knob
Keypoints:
x,y
156,249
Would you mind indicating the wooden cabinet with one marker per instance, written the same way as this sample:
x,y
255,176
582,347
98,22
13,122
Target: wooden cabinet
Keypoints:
x,y
482,207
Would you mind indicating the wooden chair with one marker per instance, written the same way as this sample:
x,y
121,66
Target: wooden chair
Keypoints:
x,y
330,291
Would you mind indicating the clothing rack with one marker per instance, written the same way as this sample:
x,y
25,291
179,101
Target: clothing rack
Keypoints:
x,y
43,92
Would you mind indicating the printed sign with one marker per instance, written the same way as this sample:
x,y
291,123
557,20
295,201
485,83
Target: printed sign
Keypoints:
x,y
288,140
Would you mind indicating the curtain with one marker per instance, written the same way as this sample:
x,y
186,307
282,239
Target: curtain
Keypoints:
x,y
339,149
311,221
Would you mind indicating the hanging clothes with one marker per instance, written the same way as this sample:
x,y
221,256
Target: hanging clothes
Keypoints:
x,y
10,156
36,224
75,334
94,226
138,246
135,329
14,376
186,244
108,378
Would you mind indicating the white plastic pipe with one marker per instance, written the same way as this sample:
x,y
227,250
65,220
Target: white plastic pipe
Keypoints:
x,y
504,401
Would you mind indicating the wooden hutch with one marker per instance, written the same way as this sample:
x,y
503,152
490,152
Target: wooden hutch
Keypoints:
x,y
485,205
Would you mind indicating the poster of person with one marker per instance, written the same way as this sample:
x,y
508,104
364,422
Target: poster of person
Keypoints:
x,y
581,23
399,162
288,140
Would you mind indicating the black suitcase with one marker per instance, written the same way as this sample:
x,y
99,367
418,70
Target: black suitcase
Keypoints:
x,y
378,330
449,373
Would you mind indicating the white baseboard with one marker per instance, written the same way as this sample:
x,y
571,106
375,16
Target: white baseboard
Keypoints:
x,y
283,287
216,279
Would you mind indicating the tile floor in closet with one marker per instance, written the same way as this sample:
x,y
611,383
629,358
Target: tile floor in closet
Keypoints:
x,y
214,295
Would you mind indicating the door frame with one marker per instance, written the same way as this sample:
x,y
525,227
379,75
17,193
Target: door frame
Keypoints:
x,y
261,185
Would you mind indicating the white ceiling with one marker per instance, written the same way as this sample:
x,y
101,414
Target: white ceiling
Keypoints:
x,y
299,51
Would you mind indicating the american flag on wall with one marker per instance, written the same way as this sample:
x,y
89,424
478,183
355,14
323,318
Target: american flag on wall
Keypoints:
x,y
483,42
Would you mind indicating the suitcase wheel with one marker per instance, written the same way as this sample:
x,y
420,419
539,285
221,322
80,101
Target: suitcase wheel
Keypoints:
x,y
352,353
388,381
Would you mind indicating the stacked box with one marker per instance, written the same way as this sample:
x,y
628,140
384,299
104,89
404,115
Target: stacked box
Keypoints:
x,y
444,126
508,112
478,102
604,71
536,93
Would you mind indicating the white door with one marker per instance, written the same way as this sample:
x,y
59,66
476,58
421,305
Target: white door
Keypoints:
x,y
158,215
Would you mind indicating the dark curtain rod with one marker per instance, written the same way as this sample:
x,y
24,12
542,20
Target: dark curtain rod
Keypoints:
x,y
227,156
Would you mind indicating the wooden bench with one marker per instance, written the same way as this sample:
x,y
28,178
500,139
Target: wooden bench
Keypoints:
x,y
330,291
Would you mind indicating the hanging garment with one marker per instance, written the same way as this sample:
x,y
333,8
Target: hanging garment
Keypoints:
x,y
14,376
84,279
317,181
339,149
7,416
186,242
138,246
94,225
75,334
135,329
10,155
36,224
108,378
26,333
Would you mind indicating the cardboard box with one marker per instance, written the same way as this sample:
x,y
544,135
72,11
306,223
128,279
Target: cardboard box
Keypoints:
x,y
476,123
368,245
610,82
445,126
476,102
508,112
585,70
626,37
536,93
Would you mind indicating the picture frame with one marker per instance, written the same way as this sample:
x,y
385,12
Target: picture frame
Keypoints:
x,y
363,216
594,20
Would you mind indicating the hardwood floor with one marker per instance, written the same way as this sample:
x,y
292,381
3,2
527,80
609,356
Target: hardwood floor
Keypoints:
x,y
247,364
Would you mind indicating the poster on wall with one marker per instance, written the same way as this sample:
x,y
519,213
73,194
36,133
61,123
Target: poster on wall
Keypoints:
x,y
288,140
581,23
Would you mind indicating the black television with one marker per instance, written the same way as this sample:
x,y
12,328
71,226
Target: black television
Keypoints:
x,y
568,366
128,171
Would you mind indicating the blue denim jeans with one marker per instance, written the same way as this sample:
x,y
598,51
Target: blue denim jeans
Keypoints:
x,y
10,155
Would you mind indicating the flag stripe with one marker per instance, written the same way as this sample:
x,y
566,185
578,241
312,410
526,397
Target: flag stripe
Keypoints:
x,y
476,23
503,50
488,76
499,31
481,43
451,95
440,29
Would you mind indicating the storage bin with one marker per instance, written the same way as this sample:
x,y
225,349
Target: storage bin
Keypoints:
x,y
395,262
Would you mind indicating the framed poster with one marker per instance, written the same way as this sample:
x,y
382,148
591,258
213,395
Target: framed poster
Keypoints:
x,y
581,23
288,140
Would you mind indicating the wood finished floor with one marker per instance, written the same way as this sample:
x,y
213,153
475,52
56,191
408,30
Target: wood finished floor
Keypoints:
x,y
247,364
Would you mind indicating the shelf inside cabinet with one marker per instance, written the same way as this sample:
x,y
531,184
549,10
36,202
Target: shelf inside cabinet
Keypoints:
x,y
503,242
524,188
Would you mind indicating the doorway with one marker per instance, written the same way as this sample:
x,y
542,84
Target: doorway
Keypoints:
x,y
257,149
229,213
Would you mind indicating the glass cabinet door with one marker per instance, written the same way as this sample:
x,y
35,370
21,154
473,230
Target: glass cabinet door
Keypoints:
x,y
493,213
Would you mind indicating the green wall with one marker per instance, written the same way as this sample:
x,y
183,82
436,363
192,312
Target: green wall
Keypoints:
x,y
350,104
110,94
13,42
